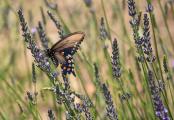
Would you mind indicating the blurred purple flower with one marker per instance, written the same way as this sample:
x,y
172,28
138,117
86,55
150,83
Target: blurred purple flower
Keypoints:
x,y
173,63
88,3
33,30
149,8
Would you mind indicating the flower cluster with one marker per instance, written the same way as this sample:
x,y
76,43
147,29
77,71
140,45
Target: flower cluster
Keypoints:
x,y
143,44
116,67
134,22
42,35
67,97
160,110
147,48
149,8
111,111
86,104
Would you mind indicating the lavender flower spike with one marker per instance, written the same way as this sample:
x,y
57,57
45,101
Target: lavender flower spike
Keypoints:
x,y
42,35
147,48
160,110
116,68
111,111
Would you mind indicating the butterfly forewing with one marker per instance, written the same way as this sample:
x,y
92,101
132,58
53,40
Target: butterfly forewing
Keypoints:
x,y
69,41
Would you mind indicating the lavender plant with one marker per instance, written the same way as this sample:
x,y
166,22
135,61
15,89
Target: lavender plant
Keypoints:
x,y
40,58
135,22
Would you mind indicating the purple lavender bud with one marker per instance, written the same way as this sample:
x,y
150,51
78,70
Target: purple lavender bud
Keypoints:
x,y
149,8
88,3
131,7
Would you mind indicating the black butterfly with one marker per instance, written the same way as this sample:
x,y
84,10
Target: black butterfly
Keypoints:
x,y
62,52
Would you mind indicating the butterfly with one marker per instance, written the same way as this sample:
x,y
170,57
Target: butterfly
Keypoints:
x,y
62,52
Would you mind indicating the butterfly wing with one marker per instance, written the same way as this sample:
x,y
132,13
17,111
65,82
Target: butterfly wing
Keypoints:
x,y
65,49
68,65
69,42
59,57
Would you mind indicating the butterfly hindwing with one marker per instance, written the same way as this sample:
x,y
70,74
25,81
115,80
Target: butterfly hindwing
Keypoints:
x,y
68,66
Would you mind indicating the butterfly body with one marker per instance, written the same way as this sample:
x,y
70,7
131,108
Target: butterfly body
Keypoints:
x,y
62,52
